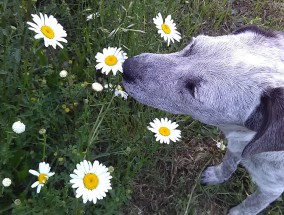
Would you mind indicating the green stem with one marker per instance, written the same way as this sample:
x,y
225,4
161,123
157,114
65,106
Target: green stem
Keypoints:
x,y
95,129
44,147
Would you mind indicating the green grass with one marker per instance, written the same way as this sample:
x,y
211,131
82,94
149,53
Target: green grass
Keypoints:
x,y
148,177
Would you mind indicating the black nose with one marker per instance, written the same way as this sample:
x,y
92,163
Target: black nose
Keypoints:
x,y
129,70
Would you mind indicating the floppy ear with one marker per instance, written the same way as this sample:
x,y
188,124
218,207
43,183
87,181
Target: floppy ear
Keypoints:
x,y
268,121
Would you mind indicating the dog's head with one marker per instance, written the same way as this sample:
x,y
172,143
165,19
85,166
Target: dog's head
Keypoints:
x,y
217,80
236,79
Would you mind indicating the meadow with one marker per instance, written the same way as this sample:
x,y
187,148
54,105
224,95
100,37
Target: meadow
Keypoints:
x,y
67,121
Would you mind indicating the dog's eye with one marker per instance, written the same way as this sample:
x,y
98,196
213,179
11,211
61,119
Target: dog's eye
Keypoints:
x,y
191,87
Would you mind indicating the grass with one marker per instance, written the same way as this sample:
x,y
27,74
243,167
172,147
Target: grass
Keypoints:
x,y
148,178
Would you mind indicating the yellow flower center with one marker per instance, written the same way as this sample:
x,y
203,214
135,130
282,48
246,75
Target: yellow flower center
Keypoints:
x,y
47,31
91,181
164,131
166,28
42,178
111,60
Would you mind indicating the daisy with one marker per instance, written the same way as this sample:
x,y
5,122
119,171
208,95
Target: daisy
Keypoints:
x,y
6,182
18,127
42,131
92,181
220,145
97,86
49,29
111,59
43,174
165,130
119,92
167,29
63,73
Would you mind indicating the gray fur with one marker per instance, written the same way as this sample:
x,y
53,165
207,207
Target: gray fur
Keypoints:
x,y
233,82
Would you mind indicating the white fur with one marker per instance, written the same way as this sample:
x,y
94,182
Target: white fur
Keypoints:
x,y
225,81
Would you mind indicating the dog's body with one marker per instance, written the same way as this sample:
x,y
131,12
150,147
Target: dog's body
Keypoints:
x,y
234,82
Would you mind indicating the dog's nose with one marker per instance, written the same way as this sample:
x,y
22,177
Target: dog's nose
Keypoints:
x,y
133,68
129,70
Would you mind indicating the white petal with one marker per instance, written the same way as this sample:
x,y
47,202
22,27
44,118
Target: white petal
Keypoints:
x,y
46,42
38,20
79,173
90,195
75,176
85,198
33,25
94,200
99,65
39,36
51,174
86,166
80,168
79,193
38,188
33,172
41,166
59,44
100,57
35,184
168,19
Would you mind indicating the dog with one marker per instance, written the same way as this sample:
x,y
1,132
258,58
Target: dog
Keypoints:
x,y
234,82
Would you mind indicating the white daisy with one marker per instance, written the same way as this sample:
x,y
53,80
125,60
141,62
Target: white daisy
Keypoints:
x,y
97,86
6,182
49,29
42,131
220,145
92,181
18,127
119,92
63,73
165,130
167,29
43,174
111,59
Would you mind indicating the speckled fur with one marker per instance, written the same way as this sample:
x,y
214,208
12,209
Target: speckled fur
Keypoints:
x,y
221,81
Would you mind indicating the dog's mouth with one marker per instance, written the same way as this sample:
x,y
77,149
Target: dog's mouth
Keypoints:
x,y
126,78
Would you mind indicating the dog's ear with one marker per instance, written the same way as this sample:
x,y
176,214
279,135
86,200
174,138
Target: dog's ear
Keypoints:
x,y
268,121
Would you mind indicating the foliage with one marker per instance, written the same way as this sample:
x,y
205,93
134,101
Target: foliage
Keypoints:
x,y
81,123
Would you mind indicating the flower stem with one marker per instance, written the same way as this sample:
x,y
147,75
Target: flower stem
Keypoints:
x,y
95,130
44,147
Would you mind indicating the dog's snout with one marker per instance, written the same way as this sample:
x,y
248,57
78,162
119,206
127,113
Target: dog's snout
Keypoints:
x,y
130,69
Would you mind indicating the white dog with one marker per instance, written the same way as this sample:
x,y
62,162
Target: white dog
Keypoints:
x,y
234,82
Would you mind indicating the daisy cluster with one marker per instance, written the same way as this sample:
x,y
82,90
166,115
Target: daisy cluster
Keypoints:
x,y
109,60
91,181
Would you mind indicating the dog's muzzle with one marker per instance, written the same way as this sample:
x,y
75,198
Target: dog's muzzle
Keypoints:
x,y
134,68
